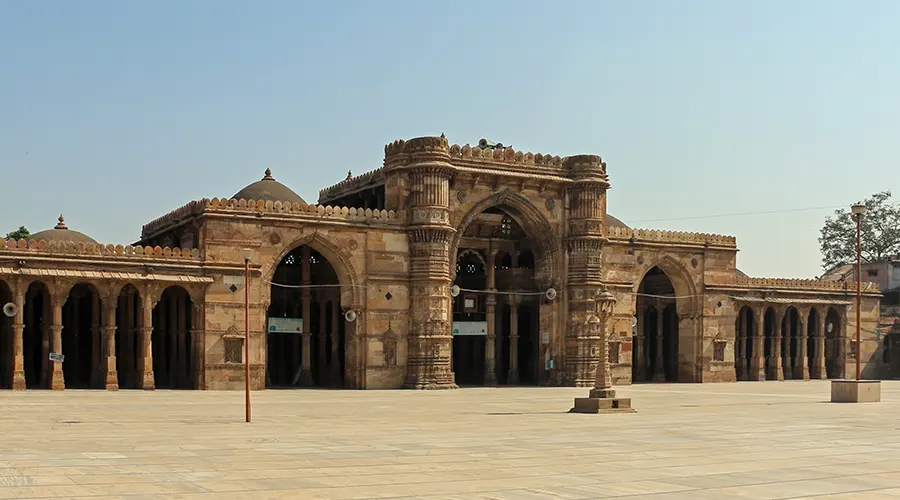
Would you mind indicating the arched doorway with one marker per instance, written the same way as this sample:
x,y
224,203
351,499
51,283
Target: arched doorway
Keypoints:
x,y
745,330
834,348
128,335
171,340
36,337
496,335
470,320
81,338
305,344
658,322
769,324
7,347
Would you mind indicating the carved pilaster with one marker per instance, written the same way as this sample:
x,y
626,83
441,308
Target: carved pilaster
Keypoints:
x,y
426,160
146,347
18,382
58,297
110,301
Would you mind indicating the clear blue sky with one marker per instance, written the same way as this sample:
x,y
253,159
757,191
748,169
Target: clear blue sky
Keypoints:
x,y
114,113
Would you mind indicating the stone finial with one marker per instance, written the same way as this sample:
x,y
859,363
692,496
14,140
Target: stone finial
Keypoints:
x,y
62,223
349,175
268,176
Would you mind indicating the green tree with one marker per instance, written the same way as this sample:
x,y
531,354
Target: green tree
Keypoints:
x,y
19,234
880,233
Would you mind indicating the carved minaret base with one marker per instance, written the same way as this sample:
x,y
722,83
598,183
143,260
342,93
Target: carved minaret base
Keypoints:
x,y
602,398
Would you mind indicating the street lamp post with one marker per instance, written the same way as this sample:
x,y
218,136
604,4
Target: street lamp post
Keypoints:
x,y
602,398
858,210
247,254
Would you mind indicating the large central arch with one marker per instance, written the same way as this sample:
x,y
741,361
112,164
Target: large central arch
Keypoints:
x,y
326,352
509,349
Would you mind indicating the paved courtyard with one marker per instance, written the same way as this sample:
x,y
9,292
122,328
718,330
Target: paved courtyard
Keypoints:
x,y
719,441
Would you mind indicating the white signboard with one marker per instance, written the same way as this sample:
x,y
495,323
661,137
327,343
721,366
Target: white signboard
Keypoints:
x,y
285,325
59,358
469,328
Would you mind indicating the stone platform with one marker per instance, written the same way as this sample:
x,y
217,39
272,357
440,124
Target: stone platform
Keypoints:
x,y
750,440
855,391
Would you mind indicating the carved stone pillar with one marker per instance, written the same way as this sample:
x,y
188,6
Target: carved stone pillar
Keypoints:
x,y
182,360
801,367
337,376
426,161
584,239
757,356
146,348
789,334
18,382
659,366
109,331
512,378
198,338
776,372
843,344
58,299
820,371
306,378
490,361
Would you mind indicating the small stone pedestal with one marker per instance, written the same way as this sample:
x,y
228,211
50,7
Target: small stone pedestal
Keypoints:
x,y
855,391
602,401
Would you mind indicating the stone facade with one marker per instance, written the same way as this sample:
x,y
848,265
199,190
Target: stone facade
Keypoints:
x,y
173,305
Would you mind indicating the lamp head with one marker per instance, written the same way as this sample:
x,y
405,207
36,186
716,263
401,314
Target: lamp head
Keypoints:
x,y
247,254
858,209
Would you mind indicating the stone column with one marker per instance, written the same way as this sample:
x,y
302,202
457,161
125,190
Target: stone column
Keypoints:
x,y
490,360
426,163
844,344
659,366
58,298
306,378
637,355
109,331
146,351
757,356
322,358
801,366
512,377
198,338
337,377
776,372
96,342
18,341
598,322
584,238
820,371
789,334
182,360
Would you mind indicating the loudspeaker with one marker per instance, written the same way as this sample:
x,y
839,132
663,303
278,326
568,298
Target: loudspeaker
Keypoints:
x,y
350,315
10,309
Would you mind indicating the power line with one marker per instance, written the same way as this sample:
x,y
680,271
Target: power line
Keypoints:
x,y
740,214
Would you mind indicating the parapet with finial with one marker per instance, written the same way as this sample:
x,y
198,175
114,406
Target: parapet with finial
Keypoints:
x,y
419,149
263,207
352,184
801,283
84,249
673,237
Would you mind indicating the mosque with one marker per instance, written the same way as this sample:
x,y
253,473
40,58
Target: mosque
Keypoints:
x,y
448,266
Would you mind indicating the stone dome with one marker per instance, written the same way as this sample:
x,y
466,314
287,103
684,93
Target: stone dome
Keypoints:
x,y
61,232
615,222
268,189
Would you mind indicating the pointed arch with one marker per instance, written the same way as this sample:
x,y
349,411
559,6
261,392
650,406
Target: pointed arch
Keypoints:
x,y
335,255
530,218
682,282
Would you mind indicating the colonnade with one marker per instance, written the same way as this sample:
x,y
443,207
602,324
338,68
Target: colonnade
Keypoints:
x,y
655,341
103,334
788,342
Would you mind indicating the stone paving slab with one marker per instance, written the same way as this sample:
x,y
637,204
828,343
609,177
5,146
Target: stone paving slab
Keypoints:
x,y
770,440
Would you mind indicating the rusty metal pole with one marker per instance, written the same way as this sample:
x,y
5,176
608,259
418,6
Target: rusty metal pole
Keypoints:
x,y
247,336
858,288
